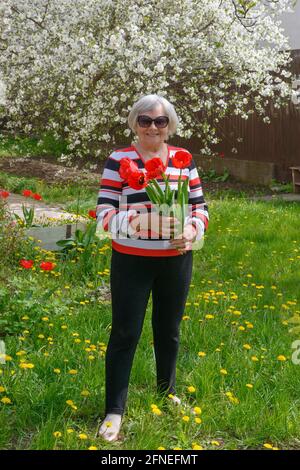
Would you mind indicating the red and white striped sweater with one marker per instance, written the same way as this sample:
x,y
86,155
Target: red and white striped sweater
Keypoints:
x,y
118,203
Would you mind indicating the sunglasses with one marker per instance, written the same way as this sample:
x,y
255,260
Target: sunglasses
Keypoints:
x,y
160,122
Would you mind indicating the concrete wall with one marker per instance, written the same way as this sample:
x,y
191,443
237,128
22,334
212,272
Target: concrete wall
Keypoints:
x,y
243,170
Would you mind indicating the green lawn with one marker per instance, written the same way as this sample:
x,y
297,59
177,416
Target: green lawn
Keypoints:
x,y
245,286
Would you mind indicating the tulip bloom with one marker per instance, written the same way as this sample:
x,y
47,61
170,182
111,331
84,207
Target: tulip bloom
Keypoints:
x,y
127,167
4,194
92,214
182,159
36,196
137,180
154,167
47,265
27,193
26,263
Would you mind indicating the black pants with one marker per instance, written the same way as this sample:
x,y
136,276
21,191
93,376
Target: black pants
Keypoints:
x,y
132,278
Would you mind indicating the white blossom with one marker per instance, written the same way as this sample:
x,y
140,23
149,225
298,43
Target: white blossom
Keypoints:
x,y
76,68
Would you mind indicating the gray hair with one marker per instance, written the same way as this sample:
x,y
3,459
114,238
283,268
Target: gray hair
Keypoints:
x,y
148,103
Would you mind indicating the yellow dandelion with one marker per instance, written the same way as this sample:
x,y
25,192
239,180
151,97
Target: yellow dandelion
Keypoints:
x,y
186,418
191,389
201,354
56,371
215,443
92,448
249,385
6,401
281,358
2,389
85,393
57,434
83,436
223,371
73,371
197,410
246,346
267,445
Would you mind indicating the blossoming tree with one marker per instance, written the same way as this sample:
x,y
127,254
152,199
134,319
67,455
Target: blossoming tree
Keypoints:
x,y
75,68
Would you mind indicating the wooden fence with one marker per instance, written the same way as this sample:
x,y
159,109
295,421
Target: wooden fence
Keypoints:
x,y
277,142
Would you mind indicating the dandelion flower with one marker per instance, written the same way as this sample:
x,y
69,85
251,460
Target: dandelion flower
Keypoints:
x,y
197,410
201,354
215,443
6,400
281,358
268,446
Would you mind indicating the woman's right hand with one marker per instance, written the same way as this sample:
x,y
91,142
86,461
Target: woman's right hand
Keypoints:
x,y
162,225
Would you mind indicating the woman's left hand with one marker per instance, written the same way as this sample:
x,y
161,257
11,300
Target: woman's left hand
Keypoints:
x,y
184,243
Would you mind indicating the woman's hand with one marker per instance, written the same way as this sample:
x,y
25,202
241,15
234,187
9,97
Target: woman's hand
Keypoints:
x,y
184,243
159,224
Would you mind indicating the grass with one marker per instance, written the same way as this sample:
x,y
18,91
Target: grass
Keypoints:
x,y
45,145
67,194
245,286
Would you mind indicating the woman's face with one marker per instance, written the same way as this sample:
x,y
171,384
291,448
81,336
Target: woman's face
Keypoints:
x,y
152,136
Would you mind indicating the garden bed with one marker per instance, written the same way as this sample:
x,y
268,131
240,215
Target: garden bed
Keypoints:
x,y
54,173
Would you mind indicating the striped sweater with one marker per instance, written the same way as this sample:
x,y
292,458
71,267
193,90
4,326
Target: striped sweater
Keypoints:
x,y
118,203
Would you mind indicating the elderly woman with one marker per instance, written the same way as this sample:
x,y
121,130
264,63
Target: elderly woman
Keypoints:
x,y
140,264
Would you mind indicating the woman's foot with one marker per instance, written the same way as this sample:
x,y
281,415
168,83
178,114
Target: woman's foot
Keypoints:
x,y
110,427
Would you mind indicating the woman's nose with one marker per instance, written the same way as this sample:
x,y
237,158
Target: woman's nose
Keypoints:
x,y
153,126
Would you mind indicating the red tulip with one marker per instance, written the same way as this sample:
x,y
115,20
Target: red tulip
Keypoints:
x,y
137,180
154,167
47,265
4,194
36,196
182,159
222,155
27,192
127,166
26,263
92,214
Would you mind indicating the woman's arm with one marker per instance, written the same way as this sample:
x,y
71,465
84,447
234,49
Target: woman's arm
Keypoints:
x,y
109,216
198,209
